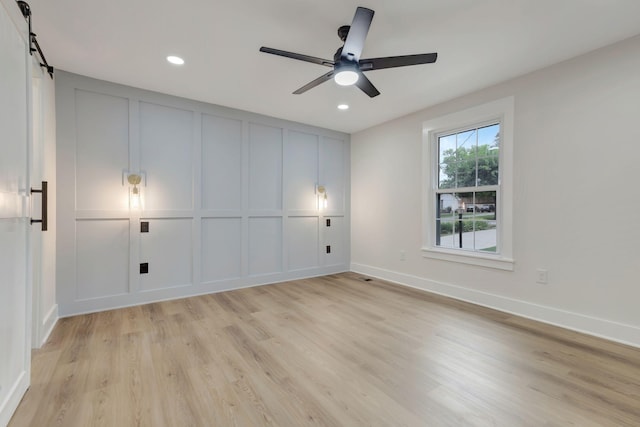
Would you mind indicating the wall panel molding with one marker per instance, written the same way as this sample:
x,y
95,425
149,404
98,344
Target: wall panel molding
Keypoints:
x,y
227,196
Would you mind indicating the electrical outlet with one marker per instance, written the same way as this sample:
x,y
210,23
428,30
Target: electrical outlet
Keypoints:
x,y
543,276
402,255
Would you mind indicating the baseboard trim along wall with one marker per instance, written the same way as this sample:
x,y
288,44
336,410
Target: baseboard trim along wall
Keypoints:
x,y
602,328
187,291
8,407
49,323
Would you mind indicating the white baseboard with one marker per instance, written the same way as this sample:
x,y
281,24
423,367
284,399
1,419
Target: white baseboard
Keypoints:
x,y
48,323
127,300
10,403
613,331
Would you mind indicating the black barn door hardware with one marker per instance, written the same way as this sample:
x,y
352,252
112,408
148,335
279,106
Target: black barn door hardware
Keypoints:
x,y
33,42
43,218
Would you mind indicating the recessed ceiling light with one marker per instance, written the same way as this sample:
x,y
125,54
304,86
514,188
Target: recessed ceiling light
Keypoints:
x,y
343,107
175,60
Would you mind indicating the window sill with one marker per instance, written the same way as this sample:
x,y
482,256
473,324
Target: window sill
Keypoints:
x,y
471,258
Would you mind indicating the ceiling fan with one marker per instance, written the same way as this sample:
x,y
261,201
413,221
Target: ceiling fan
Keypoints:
x,y
347,65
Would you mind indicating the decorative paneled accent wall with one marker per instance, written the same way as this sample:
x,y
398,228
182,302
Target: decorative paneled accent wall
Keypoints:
x,y
229,197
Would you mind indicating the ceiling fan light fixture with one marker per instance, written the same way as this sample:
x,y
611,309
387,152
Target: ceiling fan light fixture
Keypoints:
x,y
347,66
346,77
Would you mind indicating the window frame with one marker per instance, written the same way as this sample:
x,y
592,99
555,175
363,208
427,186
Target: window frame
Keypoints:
x,y
499,111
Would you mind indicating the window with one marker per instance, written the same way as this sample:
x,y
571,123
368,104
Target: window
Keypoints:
x,y
467,202
467,189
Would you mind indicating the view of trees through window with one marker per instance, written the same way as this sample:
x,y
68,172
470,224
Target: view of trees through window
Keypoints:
x,y
468,184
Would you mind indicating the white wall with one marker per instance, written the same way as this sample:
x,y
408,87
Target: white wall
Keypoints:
x,y
229,197
576,201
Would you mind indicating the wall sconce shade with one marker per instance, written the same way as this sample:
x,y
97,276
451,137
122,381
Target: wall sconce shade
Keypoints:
x,y
135,180
321,192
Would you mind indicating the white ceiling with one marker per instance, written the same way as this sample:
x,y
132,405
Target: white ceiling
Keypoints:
x,y
479,43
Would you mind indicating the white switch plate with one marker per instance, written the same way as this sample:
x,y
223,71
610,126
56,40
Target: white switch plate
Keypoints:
x,y
543,276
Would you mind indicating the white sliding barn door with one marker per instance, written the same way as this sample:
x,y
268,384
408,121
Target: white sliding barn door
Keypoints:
x,y
15,332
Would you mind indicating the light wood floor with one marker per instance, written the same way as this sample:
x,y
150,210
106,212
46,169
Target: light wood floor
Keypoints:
x,y
330,351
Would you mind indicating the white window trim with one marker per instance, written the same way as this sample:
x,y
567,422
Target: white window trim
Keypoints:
x,y
501,110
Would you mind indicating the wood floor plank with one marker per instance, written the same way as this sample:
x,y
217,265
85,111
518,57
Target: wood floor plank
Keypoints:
x,y
326,351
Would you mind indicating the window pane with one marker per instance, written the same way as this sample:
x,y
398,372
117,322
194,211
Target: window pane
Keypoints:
x,y
446,146
486,204
467,200
466,158
466,169
488,170
446,206
488,139
485,236
467,140
447,161
486,223
488,154
445,236
447,178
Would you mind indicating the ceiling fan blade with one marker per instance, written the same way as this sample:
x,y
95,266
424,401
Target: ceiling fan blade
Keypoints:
x,y
366,86
397,61
297,56
323,78
354,43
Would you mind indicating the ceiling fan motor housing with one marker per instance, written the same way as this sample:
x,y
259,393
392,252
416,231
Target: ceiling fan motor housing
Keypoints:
x,y
343,31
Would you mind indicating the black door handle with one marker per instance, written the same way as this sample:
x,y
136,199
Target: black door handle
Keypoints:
x,y
43,191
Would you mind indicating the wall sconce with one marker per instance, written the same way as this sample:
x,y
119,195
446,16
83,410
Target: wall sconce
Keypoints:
x,y
135,180
321,191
